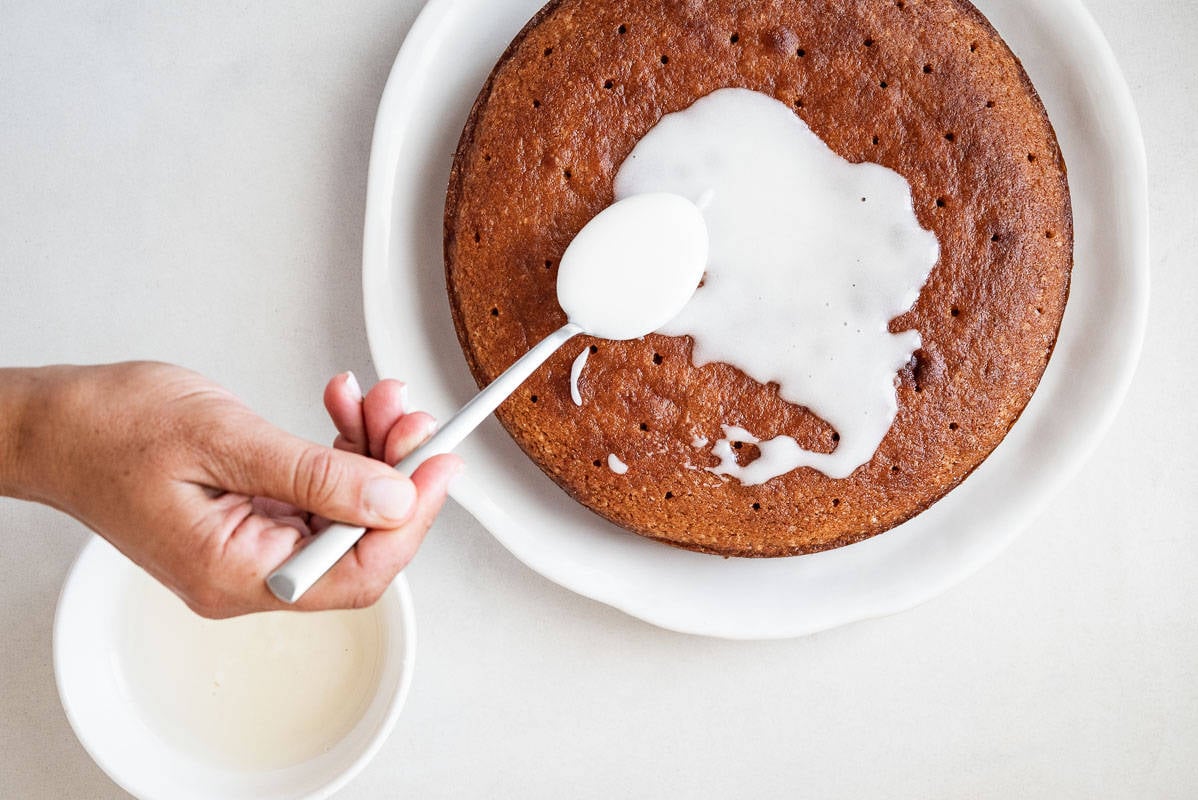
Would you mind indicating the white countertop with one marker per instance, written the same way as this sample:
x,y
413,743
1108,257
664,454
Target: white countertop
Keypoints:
x,y
186,183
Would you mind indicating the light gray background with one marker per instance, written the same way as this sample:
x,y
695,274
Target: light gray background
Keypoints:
x,y
185,181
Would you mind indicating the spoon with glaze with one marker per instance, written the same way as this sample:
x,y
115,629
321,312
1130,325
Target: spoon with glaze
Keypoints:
x,y
629,271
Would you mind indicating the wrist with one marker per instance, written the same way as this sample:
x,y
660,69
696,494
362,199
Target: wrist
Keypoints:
x,y
25,396
16,391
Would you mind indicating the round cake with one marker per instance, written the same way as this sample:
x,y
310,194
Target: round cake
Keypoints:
x,y
923,87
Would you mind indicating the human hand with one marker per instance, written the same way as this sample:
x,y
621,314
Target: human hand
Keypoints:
x,y
189,483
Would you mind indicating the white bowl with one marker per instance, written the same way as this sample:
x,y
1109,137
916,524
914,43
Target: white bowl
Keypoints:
x,y
87,667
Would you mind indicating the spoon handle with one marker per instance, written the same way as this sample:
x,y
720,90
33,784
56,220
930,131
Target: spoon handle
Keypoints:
x,y
297,574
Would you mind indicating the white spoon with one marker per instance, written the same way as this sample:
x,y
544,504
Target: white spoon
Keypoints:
x,y
626,274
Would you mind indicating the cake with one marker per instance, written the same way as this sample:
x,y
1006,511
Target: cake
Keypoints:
x,y
926,88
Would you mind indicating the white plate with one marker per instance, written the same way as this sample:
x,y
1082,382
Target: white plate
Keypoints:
x,y
442,65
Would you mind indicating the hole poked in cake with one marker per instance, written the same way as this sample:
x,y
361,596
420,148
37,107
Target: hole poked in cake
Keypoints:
x,y
533,398
801,53
623,29
734,38
597,463
494,312
594,349
669,495
665,59
657,358
609,84
745,453
927,69
757,506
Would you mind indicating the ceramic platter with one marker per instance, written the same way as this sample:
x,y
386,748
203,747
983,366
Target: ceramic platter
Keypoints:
x,y
443,63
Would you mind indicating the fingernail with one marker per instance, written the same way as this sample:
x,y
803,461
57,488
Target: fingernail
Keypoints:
x,y
389,498
355,388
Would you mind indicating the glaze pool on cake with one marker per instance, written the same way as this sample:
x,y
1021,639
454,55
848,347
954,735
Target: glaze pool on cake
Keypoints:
x,y
925,89
811,258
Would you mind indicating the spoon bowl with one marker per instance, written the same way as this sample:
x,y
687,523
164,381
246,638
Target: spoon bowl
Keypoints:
x,y
634,266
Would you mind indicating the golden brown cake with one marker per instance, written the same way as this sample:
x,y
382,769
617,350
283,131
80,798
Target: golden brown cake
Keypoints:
x,y
924,87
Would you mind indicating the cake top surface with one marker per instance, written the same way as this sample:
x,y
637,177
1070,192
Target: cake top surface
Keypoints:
x,y
924,88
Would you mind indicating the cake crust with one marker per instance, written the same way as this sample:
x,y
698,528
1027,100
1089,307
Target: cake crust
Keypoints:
x,y
924,87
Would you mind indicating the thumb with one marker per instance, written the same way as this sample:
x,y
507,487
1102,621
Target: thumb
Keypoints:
x,y
347,487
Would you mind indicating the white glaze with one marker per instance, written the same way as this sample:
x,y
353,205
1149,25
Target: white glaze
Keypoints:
x,y
777,456
633,266
259,692
810,258
575,371
616,465
699,441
